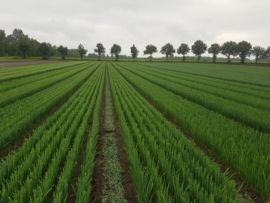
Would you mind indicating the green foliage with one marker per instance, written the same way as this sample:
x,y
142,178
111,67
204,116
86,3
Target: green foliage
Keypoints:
x,y
184,50
229,49
23,47
15,72
166,167
30,173
258,52
82,51
116,50
168,50
215,50
134,52
266,54
2,38
150,49
231,141
100,50
243,50
198,49
44,49
10,96
63,51
34,107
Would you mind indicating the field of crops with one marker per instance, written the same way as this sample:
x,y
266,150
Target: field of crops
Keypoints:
x,y
190,132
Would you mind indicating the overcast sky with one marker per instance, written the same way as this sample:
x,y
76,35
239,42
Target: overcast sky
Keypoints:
x,y
139,22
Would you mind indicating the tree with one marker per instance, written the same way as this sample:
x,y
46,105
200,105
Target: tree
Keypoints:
x,y
82,51
150,49
215,50
2,38
116,50
198,49
134,52
23,47
266,54
229,49
258,52
183,49
19,36
168,50
100,50
243,50
44,49
63,51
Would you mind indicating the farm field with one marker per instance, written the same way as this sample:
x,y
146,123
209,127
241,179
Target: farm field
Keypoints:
x,y
134,132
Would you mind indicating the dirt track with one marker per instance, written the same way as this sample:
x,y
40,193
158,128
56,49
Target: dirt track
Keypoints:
x,y
26,63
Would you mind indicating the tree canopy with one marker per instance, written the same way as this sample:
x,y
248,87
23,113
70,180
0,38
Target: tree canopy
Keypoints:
x,y
100,50
150,49
63,51
44,49
116,50
2,38
134,51
82,51
199,48
258,52
23,48
266,54
215,50
243,50
168,50
229,49
184,50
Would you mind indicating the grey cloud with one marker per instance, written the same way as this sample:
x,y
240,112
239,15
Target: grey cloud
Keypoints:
x,y
138,22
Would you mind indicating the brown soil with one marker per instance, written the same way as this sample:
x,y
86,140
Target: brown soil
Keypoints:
x,y
98,179
28,133
26,63
246,191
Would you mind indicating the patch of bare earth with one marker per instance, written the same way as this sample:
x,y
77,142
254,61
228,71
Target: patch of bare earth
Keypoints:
x,y
247,194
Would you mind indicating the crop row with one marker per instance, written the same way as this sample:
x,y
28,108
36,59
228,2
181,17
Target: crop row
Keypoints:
x,y
233,87
241,148
10,96
11,73
11,84
242,74
20,115
164,161
43,167
253,117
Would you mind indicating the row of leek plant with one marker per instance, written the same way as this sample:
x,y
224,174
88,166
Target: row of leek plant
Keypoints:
x,y
11,84
252,90
253,117
215,89
10,96
42,161
252,76
185,171
12,73
83,185
241,148
19,116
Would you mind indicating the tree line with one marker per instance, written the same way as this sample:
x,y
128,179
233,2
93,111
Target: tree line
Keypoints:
x,y
20,44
